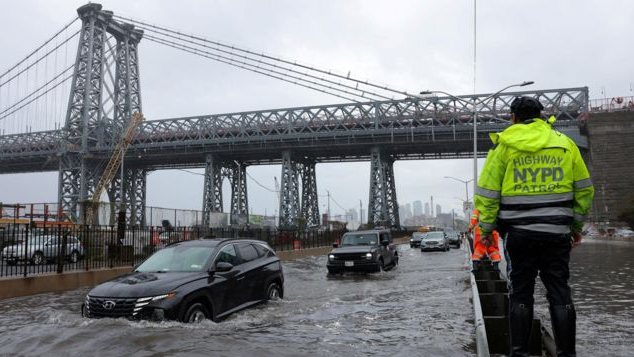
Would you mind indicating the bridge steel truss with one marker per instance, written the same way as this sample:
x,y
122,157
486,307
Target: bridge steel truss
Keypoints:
x,y
87,125
225,144
383,205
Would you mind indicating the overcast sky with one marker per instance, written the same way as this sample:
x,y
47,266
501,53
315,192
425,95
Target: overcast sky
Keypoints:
x,y
411,45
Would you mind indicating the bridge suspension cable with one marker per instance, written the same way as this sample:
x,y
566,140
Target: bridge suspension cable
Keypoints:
x,y
269,63
249,67
29,90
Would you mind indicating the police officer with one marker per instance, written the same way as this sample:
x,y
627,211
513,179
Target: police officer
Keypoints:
x,y
535,189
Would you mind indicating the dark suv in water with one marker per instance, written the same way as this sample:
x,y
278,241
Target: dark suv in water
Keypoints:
x,y
368,251
191,281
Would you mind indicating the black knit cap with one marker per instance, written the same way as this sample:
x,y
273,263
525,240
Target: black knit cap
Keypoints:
x,y
526,108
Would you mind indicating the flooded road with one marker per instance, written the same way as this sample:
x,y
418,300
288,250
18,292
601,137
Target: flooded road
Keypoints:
x,y
421,308
602,280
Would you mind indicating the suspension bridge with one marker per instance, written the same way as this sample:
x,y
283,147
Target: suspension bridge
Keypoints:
x,y
65,106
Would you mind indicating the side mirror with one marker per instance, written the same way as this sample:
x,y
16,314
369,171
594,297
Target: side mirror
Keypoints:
x,y
335,245
223,267
385,243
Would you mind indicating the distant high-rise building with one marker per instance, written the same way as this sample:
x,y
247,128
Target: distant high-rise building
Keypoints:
x,y
408,210
418,208
438,210
352,214
427,209
432,206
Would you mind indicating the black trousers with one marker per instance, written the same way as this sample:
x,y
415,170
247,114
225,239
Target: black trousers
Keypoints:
x,y
531,253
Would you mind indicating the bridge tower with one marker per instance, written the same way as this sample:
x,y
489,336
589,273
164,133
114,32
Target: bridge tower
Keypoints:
x,y
127,101
87,124
382,206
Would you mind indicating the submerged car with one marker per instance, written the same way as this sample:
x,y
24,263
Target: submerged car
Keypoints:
x,y
368,251
190,281
42,249
416,238
434,241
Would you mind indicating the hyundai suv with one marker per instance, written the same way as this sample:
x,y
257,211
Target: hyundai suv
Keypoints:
x,y
191,281
368,251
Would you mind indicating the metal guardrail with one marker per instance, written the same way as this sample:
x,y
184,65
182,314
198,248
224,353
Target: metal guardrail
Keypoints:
x,y
58,249
482,344
614,104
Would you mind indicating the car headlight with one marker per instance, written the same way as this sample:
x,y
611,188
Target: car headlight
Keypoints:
x,y
411,240
142,302
368,255
331,256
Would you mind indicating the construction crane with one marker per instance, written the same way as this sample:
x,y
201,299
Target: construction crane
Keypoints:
x,y
111,169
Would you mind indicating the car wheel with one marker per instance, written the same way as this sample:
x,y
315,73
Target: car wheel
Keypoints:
x,y
395,261
74,257
196,313
274,292
38,258
381,265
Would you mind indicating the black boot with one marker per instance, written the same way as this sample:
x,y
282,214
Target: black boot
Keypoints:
x,y
520,324
475,266
564,322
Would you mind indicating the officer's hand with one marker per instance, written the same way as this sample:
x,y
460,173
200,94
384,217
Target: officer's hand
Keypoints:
x,y
576,239
487,239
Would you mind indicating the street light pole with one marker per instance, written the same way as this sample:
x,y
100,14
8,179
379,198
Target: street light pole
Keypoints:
x,y
475,103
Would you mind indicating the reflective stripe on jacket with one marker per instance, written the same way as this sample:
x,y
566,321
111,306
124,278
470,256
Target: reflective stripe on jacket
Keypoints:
x,y
534,179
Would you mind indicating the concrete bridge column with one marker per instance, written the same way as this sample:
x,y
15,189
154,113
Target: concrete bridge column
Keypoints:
x,y
382,206
212,195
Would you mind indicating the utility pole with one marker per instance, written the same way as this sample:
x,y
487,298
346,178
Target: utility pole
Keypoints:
x,y
328,206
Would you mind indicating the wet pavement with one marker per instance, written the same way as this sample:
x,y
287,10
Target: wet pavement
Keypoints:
x,y
602,281
420,308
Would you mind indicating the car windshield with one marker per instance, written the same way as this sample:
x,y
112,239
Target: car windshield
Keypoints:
x,y
360,239
418,235
179,258
434,235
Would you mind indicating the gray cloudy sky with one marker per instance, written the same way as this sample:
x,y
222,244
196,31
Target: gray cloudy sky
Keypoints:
x,y
411,45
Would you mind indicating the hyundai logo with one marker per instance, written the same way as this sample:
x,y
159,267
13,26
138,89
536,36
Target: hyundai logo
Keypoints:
x,y
109,305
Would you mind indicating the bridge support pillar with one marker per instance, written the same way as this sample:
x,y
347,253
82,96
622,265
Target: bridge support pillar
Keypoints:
x,y
239,197
383,206
78,174
310,202
212,195
289,193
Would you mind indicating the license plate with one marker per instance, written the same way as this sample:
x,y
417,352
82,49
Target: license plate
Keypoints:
x,y
348,264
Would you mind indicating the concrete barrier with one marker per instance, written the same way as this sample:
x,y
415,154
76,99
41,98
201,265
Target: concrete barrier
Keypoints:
x,y
48,283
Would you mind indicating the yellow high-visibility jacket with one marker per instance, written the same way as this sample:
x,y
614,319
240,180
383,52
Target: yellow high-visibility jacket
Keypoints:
x,y
534,179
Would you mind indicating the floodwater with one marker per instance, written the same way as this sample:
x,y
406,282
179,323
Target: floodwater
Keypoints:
x,y
420,308
602,280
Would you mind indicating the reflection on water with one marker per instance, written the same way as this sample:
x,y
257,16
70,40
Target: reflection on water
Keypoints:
x,y
420,308
602,280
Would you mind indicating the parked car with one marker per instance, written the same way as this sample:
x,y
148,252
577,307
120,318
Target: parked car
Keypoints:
x,y
416,238
454,239
42,249
191,281
368,251
434,241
